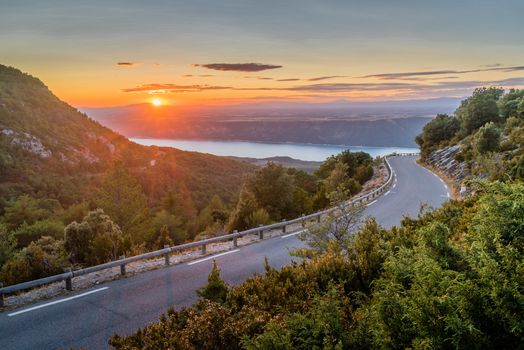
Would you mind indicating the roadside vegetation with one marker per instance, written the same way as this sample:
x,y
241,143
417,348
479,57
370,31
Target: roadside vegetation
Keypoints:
x,y
488,127
451,278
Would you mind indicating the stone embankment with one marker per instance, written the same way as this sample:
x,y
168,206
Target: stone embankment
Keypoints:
x,y
443,161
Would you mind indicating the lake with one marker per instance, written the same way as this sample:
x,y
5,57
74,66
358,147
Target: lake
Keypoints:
x,y
302,151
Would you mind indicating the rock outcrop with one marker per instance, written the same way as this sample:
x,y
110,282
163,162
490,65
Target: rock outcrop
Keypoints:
x,y
444,161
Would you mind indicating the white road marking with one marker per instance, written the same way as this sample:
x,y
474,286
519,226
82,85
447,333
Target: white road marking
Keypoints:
x,y
385,194
213,256
448,195
394,185
292,234
56,302
372,203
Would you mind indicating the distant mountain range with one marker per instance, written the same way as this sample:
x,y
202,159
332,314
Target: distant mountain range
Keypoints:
x,y
385,123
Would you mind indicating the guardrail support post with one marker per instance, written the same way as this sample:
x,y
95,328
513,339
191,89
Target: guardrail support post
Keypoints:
x,y
303,222
284,227
203,249
318,218
166,256
261,232
123,267
68,281
2,304
235,239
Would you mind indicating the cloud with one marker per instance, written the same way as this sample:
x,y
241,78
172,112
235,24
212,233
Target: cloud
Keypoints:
x,y
199,76
126,64
289,79
412,89
173,88
238,67
327,77
418,74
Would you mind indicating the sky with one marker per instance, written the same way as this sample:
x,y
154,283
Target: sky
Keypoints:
x,y
121,52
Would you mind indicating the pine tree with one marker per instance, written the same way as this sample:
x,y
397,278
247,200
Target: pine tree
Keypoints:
x,y
216,289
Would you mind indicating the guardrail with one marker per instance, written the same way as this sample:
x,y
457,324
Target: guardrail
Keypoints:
x,y
70,274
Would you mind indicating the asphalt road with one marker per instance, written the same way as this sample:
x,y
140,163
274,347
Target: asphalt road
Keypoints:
x,y
88,318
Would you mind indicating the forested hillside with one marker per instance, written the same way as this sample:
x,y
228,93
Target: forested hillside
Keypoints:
x,y
57,165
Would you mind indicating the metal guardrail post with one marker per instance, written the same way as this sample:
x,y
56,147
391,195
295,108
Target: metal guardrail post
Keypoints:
x,y
303,222
166,256
203,249
68,280
235,239
2,302
318,218
123,267
284,227
261,232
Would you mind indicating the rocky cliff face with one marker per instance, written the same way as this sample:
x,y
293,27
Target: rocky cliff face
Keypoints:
x,y
443,160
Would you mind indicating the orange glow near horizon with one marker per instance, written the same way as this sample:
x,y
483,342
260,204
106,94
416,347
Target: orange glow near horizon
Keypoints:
x,y
156,102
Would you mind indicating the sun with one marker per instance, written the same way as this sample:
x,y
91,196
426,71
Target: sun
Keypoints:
x,y
156,102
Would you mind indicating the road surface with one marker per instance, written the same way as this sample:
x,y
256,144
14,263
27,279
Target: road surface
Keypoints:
x,y
88,318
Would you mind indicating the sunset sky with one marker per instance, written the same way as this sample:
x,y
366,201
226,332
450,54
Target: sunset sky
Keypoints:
x,y
108,53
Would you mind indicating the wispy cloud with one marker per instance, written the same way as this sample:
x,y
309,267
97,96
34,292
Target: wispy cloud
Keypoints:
x,y
173,88
238,67
126,64
387,88
327,77
289,79
199,76
418,74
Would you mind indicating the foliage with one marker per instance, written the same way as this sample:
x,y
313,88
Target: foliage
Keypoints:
x,y
7,244
41,258
95,240
490,140
451,278
172,223
478,109
435,133
216,289
487,138
122,198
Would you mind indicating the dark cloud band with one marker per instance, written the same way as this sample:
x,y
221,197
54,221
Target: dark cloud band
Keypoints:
x,y
238,67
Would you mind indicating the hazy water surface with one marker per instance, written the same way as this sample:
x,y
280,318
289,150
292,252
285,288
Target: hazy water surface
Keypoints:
x,y
265,150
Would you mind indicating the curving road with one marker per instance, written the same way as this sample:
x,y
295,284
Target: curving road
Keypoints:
x,y
88,318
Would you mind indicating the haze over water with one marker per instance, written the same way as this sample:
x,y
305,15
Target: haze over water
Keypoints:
x,y
308,152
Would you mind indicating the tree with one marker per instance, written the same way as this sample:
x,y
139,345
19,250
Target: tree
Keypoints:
x,y
216,289
246,206
272,188
41,258
487,139
336,230
26,209
338,180
509,104
174,225
95,240
7,244
440,129
164,238
478,109
121,197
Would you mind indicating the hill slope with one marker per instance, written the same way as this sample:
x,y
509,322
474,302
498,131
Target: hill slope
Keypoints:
x,y
49,149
